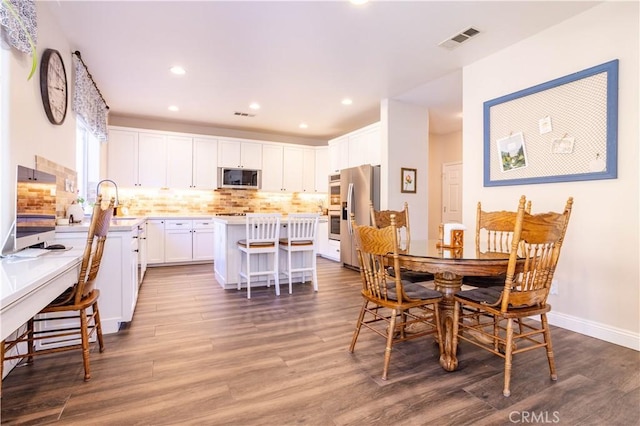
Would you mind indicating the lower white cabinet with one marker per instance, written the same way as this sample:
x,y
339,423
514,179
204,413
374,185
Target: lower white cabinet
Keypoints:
x,y
117,278
155,241
179,240
327,248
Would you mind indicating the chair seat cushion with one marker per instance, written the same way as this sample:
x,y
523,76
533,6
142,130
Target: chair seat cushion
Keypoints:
x,y
493,281
413,290
256,244
411,276
285,241
489,295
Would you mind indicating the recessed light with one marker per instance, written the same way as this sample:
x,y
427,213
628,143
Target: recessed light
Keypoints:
x,y
358,2
178,70
254,105
303,125
347,101
174,108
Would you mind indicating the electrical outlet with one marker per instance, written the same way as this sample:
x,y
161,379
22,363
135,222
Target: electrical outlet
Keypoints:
x,y
554,286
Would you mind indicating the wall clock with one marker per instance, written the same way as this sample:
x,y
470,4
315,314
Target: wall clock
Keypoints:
x,y
53,86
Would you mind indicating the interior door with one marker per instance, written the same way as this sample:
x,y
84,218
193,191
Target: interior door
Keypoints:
x,y
452,192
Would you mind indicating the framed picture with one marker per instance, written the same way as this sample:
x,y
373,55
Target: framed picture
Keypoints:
x,y
408,182
513,154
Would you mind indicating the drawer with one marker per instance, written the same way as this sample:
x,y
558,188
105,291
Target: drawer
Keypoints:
x,y
202,224
178,224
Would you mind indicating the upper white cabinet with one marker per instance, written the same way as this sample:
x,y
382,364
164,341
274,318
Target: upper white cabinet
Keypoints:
x,y
239,154
152,160
205,160
362,146
322,170
309,170
283,168
122,157
179,162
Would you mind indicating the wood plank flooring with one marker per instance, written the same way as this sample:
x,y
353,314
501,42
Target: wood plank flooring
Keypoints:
x,y
197,354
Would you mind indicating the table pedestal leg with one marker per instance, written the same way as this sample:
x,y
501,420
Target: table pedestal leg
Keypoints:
x,y
448,284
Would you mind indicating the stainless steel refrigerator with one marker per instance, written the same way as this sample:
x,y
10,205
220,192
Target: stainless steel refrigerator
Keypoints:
x,y
358,185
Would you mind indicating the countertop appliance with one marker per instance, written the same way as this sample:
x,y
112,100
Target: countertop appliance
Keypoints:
x,y
358,185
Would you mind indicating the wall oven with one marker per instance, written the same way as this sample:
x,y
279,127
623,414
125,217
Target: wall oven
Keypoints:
x,y
334,192
334,225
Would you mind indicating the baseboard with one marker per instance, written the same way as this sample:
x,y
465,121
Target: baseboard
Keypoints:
x,y
597,330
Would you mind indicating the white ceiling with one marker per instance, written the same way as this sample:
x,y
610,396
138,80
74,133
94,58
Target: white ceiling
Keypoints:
x,y
298,60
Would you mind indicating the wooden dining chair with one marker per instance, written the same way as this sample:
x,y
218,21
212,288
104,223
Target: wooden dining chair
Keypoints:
x,y
81,300
382,219
302,229
262,237
485,316
388,301
494,233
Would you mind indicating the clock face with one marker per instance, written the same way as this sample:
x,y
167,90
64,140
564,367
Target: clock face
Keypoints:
x,y
53,86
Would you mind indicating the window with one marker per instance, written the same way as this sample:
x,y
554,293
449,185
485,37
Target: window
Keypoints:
x,y
87,162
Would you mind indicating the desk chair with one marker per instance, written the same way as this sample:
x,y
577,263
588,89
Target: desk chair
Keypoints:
x,y
301,238
388,300
262,235
494,233
382,219
81,300
490,312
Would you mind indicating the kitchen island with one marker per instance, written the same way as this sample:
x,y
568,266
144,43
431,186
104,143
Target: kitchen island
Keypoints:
x,y
226,256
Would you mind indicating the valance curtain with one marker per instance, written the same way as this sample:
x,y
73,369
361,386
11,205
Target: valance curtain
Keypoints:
x,y
17,30
88,102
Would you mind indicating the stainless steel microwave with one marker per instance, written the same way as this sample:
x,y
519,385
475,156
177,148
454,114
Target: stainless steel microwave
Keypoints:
x,y
239,178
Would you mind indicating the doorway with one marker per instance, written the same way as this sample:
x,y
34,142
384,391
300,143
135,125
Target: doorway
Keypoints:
x,y
452,192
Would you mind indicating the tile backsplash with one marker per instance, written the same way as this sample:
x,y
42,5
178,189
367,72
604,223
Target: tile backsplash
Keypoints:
x,y
174,202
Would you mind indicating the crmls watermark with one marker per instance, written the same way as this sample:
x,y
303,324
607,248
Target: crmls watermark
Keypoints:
x,y
534,417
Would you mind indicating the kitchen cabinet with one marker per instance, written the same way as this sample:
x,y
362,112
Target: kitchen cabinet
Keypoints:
x,y
177,241
188,240
327,248
152,160
362,146
272,167
283,168
155,241
239,154
205,160
203,240
179,161
118,275
322,168
309,185
122,157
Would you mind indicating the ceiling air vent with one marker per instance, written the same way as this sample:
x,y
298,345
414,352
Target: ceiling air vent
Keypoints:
x,y
458,39
243,114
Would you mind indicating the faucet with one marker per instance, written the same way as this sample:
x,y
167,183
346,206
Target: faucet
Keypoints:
x,y
116,186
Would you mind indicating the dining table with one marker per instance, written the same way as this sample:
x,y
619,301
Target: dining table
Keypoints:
x,y
448,266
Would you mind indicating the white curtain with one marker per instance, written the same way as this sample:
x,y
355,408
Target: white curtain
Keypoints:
x,y
17,30
88,102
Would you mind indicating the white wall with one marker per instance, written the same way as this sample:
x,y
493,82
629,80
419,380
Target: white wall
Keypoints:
x,y
598,271
26,131
405,141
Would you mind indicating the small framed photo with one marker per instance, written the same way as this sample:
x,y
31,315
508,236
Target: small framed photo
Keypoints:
x,y
408,182
513,154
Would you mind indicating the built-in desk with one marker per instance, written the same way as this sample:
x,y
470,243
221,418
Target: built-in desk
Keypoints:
x,y
29,284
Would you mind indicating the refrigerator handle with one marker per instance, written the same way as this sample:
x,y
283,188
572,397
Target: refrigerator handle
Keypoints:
x,y
349,208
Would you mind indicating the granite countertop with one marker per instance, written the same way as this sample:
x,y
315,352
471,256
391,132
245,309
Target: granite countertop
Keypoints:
x,y
118,224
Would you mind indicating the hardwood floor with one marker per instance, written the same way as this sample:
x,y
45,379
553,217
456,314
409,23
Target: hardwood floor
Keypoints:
x,y
198,354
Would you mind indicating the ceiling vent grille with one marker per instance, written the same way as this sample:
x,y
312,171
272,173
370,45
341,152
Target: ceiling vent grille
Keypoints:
x,y
243,114
455,41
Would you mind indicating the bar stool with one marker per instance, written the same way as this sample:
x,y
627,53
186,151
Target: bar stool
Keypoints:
x,y
262,235
302,231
